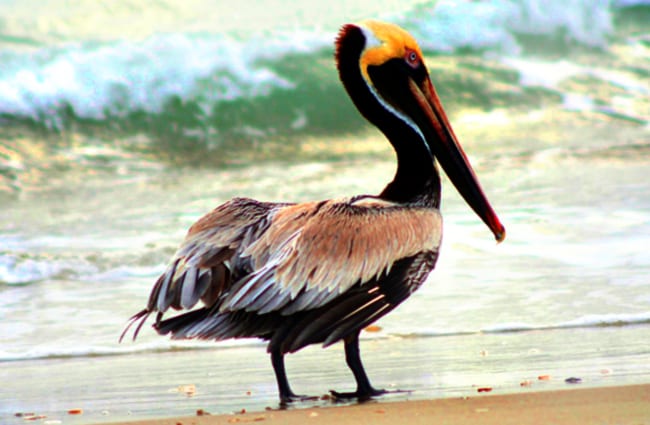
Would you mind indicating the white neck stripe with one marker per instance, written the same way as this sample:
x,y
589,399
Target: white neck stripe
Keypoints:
x,y
373,41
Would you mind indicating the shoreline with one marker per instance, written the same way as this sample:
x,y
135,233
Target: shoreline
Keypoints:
x,y
141,387
624,404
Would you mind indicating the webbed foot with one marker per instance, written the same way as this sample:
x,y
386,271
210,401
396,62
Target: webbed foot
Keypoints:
x,y
361,395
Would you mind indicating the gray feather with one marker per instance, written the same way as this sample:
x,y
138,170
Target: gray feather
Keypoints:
x,y
189,295
164,296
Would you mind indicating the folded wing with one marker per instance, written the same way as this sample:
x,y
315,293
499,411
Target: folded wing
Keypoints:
x,y
248,257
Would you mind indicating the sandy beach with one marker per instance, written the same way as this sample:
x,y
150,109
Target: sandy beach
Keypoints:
x,y
628,404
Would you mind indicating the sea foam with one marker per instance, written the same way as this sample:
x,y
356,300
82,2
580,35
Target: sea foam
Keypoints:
x,y
117,78
494,25
100,81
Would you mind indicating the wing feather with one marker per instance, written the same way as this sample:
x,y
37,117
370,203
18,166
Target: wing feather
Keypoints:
x,y
313,252
202,267
164,298
248,258
189,294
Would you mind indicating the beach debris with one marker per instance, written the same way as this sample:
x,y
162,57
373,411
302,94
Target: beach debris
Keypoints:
x,y
249,392
372,328
544,378
77,411
326,397
484,389
201,412
242,411
236,419
187,389
573,380
33,417
24,414
526,383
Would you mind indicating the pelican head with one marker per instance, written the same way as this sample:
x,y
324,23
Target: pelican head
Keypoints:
x,y
383,71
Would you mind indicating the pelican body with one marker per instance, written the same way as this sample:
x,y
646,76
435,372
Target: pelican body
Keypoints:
x,y
297,274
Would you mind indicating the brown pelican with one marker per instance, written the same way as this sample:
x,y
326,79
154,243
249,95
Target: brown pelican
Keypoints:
x,y
319,272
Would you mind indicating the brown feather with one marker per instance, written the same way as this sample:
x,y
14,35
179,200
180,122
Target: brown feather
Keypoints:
x,y
262,258
210,243
363,239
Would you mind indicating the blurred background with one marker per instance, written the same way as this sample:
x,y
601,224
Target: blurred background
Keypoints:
x,y
122,122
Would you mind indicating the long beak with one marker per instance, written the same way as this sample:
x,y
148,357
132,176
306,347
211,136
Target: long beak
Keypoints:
x,y
445,147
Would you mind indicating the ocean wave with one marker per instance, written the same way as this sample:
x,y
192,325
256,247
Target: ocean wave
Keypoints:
x,y
165,345
113,80
17,269
106,350
449,25
21,267
588,321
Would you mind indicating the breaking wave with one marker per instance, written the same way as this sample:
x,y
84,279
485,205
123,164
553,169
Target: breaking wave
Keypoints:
x,y
209,87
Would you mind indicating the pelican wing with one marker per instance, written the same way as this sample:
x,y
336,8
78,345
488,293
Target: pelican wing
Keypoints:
x,y
210,256
260,258
311,253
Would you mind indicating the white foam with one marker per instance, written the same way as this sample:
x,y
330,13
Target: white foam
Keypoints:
x,y
608,320
549,74
126,76
18,270
119,77
577,102
509,327
630,3
587,321
103,348
451,24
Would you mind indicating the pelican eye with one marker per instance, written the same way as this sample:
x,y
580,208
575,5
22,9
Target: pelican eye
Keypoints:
x,y
412,58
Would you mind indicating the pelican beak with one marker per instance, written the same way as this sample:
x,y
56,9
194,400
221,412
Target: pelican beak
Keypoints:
x,y
443,144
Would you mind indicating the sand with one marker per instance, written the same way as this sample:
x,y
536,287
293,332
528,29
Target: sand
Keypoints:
x,y
628,404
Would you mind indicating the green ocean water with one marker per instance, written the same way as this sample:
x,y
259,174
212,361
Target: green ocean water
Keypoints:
x,y
255,92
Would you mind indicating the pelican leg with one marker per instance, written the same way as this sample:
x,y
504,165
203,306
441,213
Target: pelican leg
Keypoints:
x,y
364,390
286,395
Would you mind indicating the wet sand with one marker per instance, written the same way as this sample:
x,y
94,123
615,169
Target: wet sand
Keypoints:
x,y
628,404
443,376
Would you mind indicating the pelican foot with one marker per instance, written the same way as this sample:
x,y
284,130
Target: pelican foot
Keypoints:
x,y
287,399
364,395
